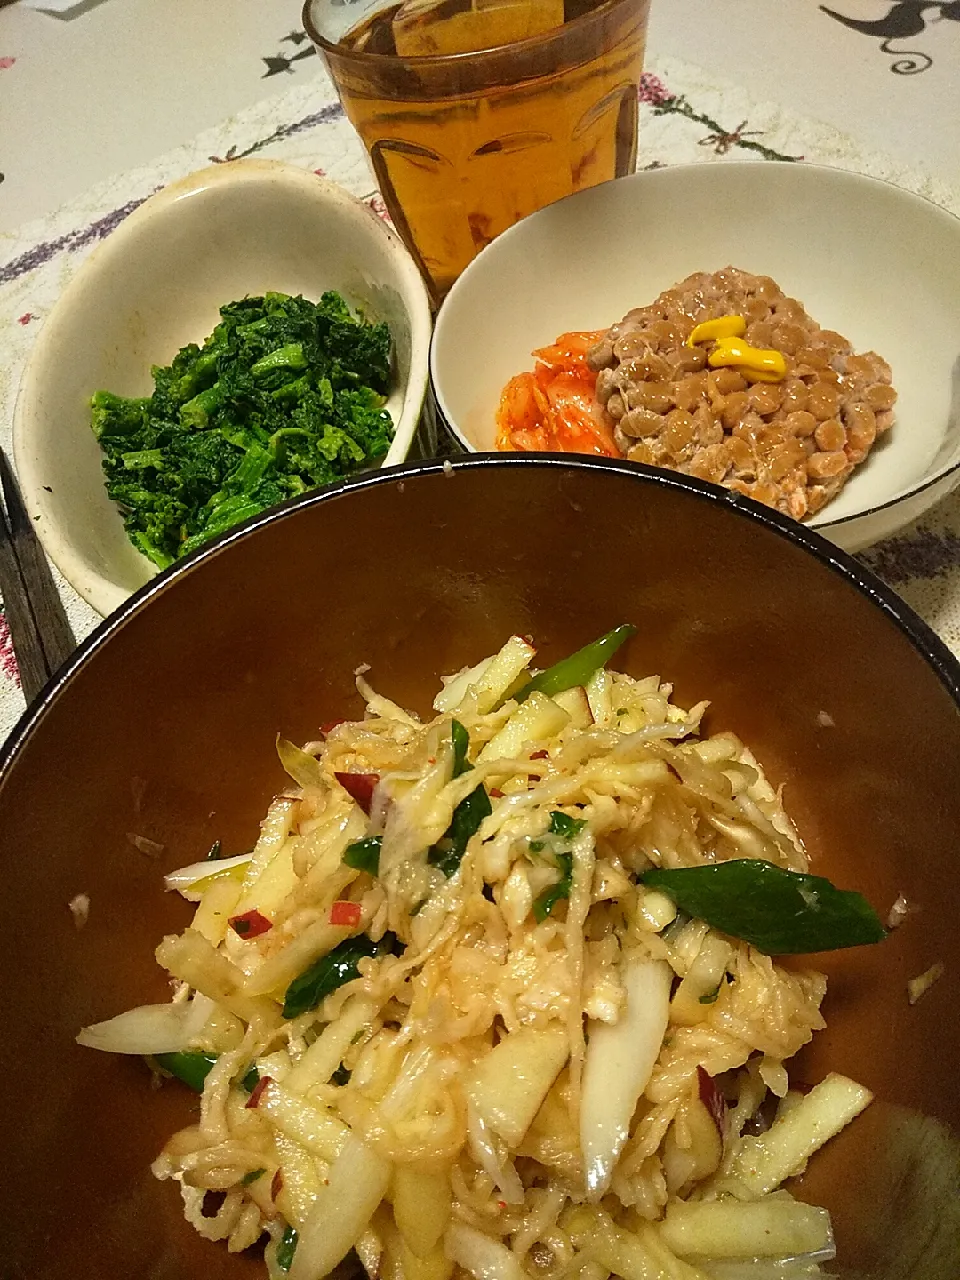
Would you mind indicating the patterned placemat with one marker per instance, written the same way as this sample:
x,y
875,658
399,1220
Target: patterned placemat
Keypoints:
x,y
686,116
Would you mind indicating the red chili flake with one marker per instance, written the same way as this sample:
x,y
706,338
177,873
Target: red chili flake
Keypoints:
x,y
330,726
502,1204
26,318
360,786
539,755
254,1100
431,759
495,793
250,925
345,913
712,1099
276,1186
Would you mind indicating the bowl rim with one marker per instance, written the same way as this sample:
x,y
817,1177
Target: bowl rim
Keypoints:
x,y
662,175
944,664
100,592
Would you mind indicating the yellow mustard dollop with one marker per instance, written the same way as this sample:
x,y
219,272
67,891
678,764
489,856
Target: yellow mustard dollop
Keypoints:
x,y
757,364
722,327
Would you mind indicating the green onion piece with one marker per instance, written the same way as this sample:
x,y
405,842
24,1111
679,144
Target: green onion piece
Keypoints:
x,y
364,855
448,852
779,912
191,1068
461,744
579,667
333,970
341,1076
562,825
545,902
252,1176
214,852
287,1248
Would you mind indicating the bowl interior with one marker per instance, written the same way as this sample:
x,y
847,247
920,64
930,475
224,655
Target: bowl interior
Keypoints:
x,y
157,284
166,729
877,264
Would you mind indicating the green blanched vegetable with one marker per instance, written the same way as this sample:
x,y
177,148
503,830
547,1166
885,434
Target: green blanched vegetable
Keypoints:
x,y
193,1067
333,970
364,855
778,912
579,667
285,395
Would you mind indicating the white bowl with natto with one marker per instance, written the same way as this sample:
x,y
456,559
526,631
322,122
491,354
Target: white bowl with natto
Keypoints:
x,y
876,263
156,284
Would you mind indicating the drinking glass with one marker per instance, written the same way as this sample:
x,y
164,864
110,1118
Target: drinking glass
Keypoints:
x,y
465,142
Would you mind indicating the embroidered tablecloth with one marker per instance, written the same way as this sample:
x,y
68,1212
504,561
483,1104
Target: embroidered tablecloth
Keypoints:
x,y
685,115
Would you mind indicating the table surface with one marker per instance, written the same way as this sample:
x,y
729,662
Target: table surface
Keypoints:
x,y
103,102
109,84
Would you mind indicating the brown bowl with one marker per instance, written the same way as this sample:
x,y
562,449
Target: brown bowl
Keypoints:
x,y
163,726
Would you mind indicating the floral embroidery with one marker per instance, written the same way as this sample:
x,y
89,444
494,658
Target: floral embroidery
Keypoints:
x,y
653,91
722,139
722,142
8,659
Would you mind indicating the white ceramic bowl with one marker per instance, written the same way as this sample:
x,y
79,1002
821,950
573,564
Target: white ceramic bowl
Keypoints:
x,y
156,284
878,264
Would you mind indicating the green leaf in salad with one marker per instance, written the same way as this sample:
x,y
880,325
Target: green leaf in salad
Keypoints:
x,y
447,853
578,668
190,1067
561,824
193,1066
334,969
461,745
779,912
545,902
287,1248
364,855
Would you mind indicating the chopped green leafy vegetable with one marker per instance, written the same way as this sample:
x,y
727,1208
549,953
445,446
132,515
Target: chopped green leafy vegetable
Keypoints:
x,y
563,825
214,851
252,1176
545,902
284,396
287,1248
333,970
448,852
193,1067
578,667
779,912
364,855
341,1076
461,745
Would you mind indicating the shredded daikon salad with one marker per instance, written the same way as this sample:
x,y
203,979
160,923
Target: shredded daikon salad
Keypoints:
x,y
454,1015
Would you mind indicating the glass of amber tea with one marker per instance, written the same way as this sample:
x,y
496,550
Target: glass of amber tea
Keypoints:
x,y
475,113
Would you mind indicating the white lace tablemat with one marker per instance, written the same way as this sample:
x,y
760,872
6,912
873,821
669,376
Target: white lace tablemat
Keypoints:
x,y
684,116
